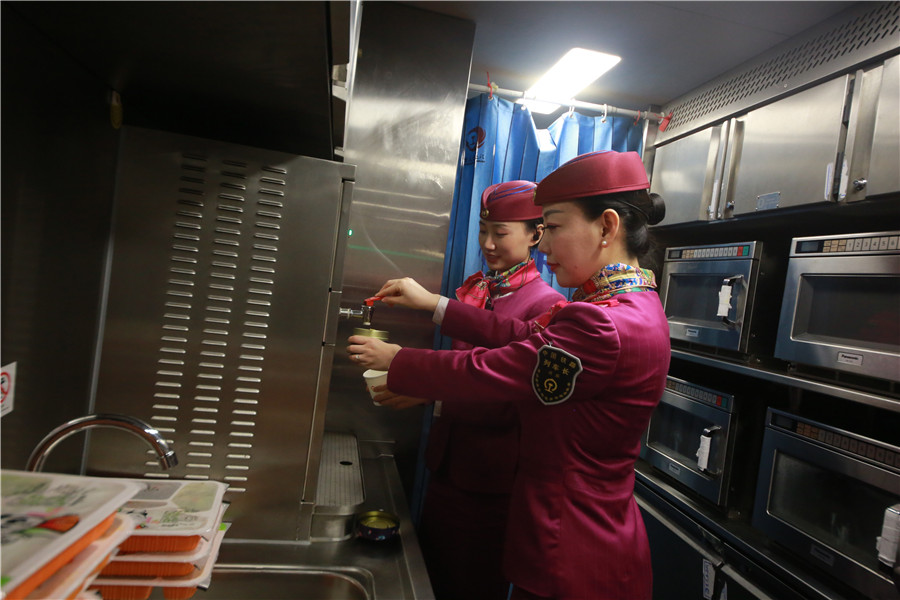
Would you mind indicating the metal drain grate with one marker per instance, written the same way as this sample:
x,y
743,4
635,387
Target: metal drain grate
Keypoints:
x,y
340,475
848,43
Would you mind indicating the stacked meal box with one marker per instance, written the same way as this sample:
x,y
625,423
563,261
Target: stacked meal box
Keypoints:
x,y
58,531
175,545
68,537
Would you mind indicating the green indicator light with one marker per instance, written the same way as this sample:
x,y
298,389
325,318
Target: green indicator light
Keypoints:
x,y
349,232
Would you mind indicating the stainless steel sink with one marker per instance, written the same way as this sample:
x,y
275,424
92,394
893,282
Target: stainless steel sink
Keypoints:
x,y
348,569
286,582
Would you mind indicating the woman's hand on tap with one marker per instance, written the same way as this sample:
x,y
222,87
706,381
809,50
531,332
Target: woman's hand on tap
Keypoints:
x,y
370,352
407,292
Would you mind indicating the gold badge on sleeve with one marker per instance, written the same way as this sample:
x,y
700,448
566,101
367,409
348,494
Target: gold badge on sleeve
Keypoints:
x,y
554,375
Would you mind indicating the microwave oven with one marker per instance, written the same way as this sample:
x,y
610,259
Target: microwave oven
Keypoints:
x,y
710,294
690,438
827,495
841,307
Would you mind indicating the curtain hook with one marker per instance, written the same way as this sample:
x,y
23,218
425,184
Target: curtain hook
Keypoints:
x,y
637,118
605,111
571,112
490,86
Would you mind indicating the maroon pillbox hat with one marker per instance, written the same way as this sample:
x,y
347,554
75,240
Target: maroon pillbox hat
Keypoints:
x,y
593,174
510,201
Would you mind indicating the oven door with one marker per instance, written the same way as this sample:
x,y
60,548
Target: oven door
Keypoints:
x,y
691,442
841,312
827,506
709,301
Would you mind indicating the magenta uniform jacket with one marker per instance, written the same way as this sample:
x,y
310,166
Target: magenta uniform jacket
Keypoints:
x,y
574,530
478,445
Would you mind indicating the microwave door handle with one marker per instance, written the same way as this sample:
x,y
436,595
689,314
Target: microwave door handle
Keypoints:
x,y
888,543
725,299
703,451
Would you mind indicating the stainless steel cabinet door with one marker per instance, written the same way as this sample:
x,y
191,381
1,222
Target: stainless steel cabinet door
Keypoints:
x,y
686,173
784,154
884,174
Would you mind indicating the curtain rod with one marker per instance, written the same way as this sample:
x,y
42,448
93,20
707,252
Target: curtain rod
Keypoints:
x,y
601,108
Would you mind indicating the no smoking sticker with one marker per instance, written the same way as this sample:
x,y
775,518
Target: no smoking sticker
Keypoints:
x,y
7,387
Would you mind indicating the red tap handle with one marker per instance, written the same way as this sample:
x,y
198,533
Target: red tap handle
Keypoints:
x,y
371,301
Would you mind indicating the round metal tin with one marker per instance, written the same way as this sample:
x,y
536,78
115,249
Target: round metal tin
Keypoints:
x,y
378,525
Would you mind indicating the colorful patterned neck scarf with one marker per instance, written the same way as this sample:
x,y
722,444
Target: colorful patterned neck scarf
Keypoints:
x,y
609,281
478,289
613,279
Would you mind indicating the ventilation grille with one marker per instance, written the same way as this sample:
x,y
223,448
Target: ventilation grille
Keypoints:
x,y
212,347
842,47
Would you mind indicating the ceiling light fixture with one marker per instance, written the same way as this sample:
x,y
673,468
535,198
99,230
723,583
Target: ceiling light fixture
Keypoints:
x,y
572,73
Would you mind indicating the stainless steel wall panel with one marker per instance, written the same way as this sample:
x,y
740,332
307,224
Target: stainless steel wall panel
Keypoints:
x,y
403,131
219,287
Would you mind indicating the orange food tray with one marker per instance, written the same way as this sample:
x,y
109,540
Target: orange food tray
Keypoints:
x,y
121,587
147,569
160,543
124,592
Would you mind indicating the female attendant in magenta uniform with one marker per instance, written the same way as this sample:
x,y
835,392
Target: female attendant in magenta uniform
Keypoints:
x,y
473,446
584,378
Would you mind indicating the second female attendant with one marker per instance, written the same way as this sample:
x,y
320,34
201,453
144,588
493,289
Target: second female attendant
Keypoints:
x,y
473,447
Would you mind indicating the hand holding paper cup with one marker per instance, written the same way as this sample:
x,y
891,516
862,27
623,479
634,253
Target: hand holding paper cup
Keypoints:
x,y
374,378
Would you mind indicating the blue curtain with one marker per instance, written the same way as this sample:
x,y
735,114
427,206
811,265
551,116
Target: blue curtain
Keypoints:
x,y
501,143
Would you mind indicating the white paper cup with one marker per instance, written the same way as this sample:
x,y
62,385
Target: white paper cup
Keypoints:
x,y
374,378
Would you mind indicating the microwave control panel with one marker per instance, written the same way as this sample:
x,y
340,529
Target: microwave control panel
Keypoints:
x,y
701,394
718,252
886,242
872,450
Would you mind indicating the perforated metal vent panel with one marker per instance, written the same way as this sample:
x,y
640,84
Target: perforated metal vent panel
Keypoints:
x,y
218,313
218,302
837,45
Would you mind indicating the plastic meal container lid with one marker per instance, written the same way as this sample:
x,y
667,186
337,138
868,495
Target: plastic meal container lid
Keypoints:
x,y
165,507
168,545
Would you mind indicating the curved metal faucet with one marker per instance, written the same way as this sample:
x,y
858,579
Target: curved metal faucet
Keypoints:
x,y
167,458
